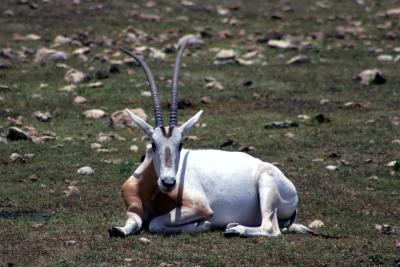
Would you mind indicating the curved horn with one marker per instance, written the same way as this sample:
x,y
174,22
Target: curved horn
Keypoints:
x,y
153,88
173,116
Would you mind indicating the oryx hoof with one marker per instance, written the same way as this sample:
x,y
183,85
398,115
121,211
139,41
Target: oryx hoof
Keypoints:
x,y
116,232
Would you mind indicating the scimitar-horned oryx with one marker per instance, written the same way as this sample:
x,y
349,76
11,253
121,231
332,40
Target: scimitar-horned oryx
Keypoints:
x,y
181,190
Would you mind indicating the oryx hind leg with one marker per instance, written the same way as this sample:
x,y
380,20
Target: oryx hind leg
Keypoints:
x,y
182,219
270,201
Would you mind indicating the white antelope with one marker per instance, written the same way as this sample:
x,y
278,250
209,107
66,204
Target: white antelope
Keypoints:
x,y
180,190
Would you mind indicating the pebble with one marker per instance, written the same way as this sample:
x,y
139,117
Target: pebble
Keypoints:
x,y
85,170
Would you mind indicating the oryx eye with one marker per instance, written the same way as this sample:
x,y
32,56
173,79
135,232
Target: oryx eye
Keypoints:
x,y
153,146
180,146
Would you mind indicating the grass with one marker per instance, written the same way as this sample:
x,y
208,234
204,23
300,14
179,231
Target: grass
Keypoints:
x,y
37,219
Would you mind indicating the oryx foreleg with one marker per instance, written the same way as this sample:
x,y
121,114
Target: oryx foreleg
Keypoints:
x,y
182,219
269,202
132,225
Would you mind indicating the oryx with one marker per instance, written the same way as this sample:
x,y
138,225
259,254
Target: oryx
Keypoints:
x,y
182,190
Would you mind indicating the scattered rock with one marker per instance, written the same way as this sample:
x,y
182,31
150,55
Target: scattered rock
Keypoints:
x,y
206,100
145,240
15,157
5,64
385,58
227,142
393,12
134,148
95,85
214,85
396,141
85,170
70,242
391,163
96,146
45,54
298,60
32,178
107,137
60,40
316,224
324,101
42,116
281,124
372,76
75,76
94,113
81,51
68,88
79,101
387,229
15,134
282,44
331,168
289,135
225,56
29,37
121,118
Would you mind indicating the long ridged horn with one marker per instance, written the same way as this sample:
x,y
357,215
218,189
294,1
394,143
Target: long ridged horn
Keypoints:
x,y
153,88
173,116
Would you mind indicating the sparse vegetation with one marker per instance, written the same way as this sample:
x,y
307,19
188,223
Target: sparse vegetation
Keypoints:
x,y
358,131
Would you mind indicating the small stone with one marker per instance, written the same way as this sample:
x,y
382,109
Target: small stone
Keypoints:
x,y
282,44
128,260
121,118
303,117
298,60
42,116
206,100
75,76
95,85
37,225
45,54
94,113
371,76
214,85
107,137
391,163
331,168
68,88
15,157
316,224
96,146
134,148
79,101
225,56
32,178
145,240
289,135
81,51
192,138
396,141
385,58
60,40
85,170
145,93
324,101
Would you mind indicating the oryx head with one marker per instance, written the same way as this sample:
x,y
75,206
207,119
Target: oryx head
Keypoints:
x,y
166,142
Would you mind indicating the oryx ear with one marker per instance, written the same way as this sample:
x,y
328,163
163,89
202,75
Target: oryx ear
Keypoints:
x,y
184,128
146,128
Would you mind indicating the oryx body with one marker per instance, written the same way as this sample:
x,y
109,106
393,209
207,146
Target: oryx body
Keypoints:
x,y
180,190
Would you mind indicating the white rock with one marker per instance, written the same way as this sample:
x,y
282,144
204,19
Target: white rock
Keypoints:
x,y
134,148
68,88
96,146
94,113
75,76
79,101
60,40
391,163
145,240
81,51
324,101
16,157
331,168
225,56
85,170
145,93
42,116
298,60
45,54
316,224
282,44
385,58
95,85
371,76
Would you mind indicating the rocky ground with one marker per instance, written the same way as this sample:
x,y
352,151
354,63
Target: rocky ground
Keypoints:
x,y
312,86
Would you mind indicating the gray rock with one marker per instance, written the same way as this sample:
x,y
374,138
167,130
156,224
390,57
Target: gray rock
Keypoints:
x,y
297,60
15,134
85,170
281,124
371,76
